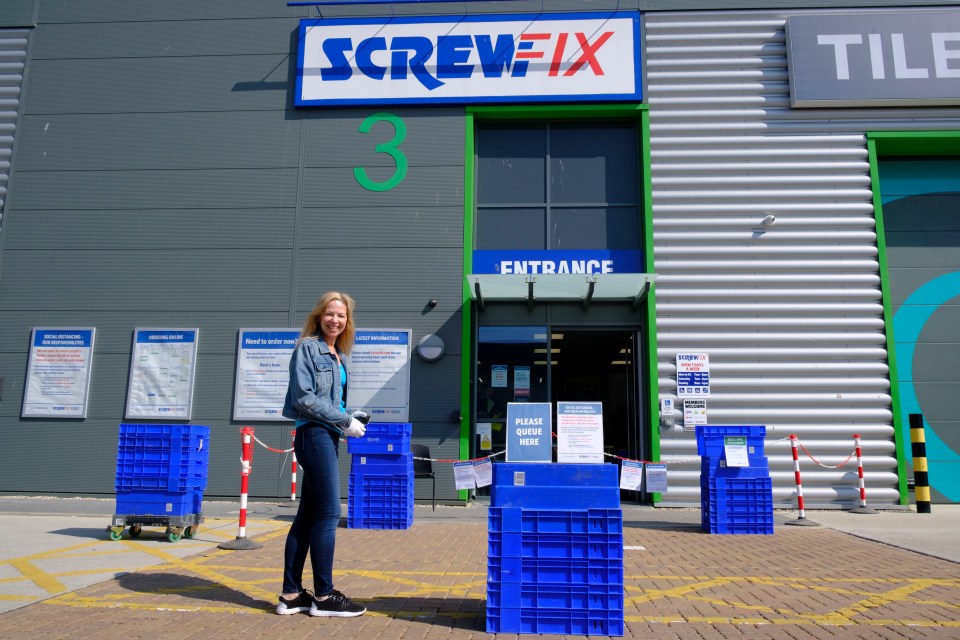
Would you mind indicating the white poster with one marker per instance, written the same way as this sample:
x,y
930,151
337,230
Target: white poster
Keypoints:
x,y
580,432
656,475
263,361
483,470
379,374
694,413
735,451
58,373
162,368
464,475
693,375
485,433
498,375
631,475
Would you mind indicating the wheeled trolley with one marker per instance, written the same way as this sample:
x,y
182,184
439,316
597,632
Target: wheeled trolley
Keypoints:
x,y
185,526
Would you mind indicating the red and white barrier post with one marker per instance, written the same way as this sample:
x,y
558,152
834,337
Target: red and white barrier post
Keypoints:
x,y
802,519
862,507
246,465
293,471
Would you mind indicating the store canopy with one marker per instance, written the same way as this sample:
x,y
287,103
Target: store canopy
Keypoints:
x,y
559,287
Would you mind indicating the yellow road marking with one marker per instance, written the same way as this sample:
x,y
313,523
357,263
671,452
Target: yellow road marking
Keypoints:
x,y
39,577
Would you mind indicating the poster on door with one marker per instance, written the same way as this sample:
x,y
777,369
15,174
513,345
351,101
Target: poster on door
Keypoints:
x,y
58,373
580,432
263,362
379,374
162,367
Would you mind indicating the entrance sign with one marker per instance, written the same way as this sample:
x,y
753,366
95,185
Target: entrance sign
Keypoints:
x,y
543,57
895,58
162,367
263,361
58,373
693,375
558,261
580,432
529,432
379,374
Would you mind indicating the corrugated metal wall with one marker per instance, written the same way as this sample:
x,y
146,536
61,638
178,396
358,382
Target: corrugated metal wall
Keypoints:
x,y
790,312
13,54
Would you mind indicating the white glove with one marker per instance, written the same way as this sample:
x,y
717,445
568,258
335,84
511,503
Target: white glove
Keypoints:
x,y
362,416
355,430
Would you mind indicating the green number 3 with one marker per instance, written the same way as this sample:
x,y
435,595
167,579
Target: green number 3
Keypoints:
x,y
391,148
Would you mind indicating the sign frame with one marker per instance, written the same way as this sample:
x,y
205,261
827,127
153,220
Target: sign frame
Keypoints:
x,y
88,336
163,335
240,410
390,407
415,83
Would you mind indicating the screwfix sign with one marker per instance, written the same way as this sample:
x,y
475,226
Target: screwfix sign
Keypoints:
x,y
469,59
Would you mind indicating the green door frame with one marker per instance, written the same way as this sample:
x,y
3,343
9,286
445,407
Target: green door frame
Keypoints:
x,y
545,112
893,144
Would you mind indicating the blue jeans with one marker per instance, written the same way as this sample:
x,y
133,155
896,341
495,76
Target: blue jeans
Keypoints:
x,y
314,528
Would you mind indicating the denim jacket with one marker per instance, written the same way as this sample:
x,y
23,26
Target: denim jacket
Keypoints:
x,y
313,392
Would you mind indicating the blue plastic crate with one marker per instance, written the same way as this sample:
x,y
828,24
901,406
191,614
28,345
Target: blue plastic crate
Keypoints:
x,y
382,465
159,504
159,483
555,621
555,545
710,438
555,486
737,505
555,596
194,437
555,520
382,438
367,490
376,518
753,523
717,468
554,571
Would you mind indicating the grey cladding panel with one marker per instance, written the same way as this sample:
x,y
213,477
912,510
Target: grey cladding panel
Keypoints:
x,y
423,186
16,13
176,228
388,278
212,83
904,282
935,361
938,400
160,279
387,226
215,188
943,327
235,139
433,137
435,390
58,11
139,39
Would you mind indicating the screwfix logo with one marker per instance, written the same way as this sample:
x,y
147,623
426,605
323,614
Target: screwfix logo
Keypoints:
x,y
534,58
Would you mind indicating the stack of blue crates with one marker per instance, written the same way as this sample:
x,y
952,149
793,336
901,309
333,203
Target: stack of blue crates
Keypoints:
x,y
161,469
555,550
734,499
380,492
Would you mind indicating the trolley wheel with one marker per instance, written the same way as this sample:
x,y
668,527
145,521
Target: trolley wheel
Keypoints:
x,y
190,532
116,533
135,531
173,534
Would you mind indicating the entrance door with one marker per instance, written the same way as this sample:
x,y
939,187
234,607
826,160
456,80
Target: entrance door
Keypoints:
x,y
552,364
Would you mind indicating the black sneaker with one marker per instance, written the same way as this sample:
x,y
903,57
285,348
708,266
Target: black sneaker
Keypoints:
x,y
337,606
296,604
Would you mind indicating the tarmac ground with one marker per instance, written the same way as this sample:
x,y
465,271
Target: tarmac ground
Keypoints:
x,y
893,574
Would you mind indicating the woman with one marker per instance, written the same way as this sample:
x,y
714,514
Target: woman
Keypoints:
x,y
316,399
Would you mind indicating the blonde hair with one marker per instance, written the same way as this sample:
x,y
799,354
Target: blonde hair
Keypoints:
x,y
312,326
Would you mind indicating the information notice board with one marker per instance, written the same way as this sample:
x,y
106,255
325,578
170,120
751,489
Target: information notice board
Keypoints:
x,y
263,372
162,367
58,373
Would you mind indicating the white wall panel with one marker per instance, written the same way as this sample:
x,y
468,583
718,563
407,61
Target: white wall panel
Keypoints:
x,y
790,312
